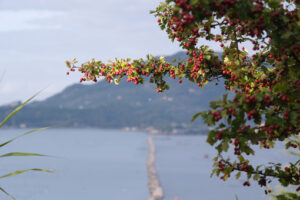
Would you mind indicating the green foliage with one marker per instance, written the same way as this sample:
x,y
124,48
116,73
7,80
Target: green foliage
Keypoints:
x,y
13,154
281,193
266,105
286,195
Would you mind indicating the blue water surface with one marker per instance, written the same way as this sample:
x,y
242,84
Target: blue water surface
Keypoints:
x,y
95,164
90,164
184,165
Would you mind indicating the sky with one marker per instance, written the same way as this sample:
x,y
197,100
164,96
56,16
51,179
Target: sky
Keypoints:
x,y
38,36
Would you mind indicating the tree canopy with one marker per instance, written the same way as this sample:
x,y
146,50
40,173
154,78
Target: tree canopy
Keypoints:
x,y
265,107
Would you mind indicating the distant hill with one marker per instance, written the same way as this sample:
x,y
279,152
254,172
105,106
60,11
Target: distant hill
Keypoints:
x,y
104,105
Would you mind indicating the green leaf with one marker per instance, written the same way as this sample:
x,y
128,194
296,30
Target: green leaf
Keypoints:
x,y
225,98
256,177
293,117
219,148
225,144
17,109
32,131
286,35
117,81
213,172
7,193
25,170
68,64
207,57
238,175
216,158
210,120
213,104
224,113
211,137
283,182
225,177
241,158
195,116
20,154
218,173
194,2
274,3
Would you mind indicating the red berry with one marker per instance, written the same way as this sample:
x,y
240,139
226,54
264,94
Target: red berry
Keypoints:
x,y
287,169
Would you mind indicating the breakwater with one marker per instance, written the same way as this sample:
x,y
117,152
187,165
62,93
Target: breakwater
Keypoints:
x,y
156,192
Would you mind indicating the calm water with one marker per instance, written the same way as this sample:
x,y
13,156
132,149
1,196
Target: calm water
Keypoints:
x,y
90,164
110,165
184,166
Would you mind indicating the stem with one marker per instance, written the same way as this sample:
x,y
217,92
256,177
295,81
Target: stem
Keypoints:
x,y
237,46
272,174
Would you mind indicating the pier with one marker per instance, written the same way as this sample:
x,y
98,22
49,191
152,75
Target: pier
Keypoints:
x,y
156,192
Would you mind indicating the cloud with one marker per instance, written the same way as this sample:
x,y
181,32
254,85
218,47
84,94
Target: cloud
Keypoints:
x,y
37,36
20,20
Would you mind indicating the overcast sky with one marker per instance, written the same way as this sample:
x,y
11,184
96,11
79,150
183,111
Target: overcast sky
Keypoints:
x,y
37,36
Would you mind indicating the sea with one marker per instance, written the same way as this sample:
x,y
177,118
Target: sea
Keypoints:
x,y
101,164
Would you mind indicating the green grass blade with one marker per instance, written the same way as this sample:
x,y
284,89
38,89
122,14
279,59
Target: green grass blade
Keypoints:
x,y
20,154
25,170
32,131
17,109
7,193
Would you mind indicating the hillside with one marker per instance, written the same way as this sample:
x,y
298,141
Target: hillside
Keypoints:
x,y
104,105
